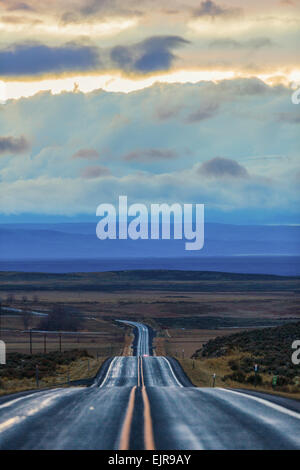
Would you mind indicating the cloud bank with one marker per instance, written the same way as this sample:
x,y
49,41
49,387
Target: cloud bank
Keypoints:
x,y
243,155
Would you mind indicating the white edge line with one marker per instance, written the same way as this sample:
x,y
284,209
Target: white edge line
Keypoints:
x,y
270,404
171,369
108,371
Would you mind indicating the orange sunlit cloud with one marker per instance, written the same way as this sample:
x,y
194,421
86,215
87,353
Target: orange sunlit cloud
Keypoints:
x,y
115,82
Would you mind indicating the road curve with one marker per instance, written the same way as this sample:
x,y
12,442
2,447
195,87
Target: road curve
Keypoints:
x,y
146,402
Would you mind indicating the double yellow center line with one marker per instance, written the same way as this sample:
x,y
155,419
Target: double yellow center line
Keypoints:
x,y
148,428
125,434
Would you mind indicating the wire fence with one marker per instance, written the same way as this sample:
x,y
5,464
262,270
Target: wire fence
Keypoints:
x,y
38,341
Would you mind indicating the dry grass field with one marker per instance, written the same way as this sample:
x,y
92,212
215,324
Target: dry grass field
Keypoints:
x,y
201,374
182,343
83,368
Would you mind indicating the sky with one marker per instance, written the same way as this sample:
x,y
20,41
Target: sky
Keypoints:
x,y
184,101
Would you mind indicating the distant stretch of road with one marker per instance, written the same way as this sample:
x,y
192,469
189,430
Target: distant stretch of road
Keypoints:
x,y
147,402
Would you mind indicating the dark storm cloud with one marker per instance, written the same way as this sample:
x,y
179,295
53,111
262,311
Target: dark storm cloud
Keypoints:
x,y
205,112
29,59
94,172
20,6
247,86
255,43
12,19
225,42
163,113
89,154
76,10
91,7
212,9
108,7
11,144
154,53
150,154
288,117
219,167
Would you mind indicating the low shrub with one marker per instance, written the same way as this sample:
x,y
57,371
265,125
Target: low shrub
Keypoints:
x,y
255,379
237,376
19,366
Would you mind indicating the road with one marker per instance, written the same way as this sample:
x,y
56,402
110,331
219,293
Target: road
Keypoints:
x,y
147,402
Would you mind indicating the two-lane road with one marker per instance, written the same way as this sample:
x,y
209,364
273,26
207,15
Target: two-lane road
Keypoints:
x,y
147,402
142,347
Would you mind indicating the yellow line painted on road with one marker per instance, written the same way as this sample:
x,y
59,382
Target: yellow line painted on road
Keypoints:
x,y
139,376
148,428
142,372
125,434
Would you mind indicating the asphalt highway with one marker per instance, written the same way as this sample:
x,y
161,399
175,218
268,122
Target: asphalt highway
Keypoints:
x,y
147,402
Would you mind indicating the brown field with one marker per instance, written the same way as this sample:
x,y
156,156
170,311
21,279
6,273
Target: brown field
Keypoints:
x,y
156,304
109,339
160,299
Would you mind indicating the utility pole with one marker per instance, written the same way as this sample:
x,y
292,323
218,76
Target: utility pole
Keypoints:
x,y
45,339
37,376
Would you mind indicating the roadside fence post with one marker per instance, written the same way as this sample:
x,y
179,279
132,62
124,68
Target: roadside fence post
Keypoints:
x,y
37,376
214,379
255,374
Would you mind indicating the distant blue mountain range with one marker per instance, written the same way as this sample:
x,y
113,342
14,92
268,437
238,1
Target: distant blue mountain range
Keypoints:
x,y
76,240
63,244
